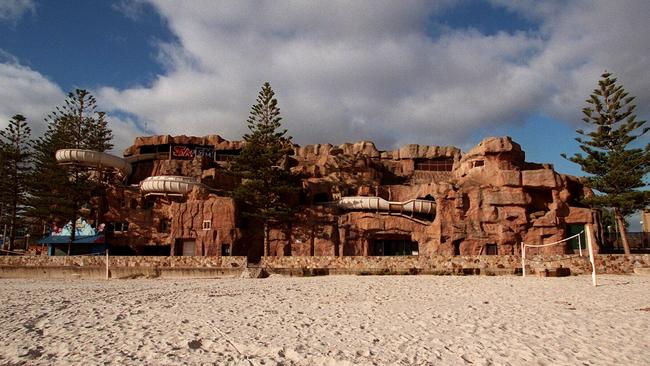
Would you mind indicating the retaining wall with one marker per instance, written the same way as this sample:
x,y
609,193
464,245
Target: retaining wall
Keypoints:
x,y
210,267
488,265
120,267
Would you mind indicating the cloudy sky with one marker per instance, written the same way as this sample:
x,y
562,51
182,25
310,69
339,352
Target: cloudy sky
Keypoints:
x,y
447,72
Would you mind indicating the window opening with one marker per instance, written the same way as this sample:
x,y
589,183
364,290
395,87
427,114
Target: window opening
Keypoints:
x,y
225,249
491,249
395,246
120,227
164,226
435,165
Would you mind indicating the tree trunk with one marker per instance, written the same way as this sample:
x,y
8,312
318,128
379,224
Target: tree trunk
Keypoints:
x,y
621,228
12,227
267,247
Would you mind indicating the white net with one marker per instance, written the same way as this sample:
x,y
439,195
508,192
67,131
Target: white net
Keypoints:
x,y
560,242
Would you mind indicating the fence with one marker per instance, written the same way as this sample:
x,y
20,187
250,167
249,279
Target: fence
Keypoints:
x,y
639,243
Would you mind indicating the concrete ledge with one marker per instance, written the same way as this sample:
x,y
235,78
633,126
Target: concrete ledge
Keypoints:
x,y
88,272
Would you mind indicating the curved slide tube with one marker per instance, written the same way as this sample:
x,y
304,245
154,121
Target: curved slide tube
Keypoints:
x,y
166,184
380,204
93,159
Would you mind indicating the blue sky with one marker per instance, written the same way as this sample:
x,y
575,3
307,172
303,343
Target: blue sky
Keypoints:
x,y
447,72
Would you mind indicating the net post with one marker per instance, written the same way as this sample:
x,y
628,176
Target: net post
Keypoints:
x,y
579,245
107,271
590,247
523,260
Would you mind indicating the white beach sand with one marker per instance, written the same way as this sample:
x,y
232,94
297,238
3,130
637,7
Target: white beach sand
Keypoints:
x,y
333,320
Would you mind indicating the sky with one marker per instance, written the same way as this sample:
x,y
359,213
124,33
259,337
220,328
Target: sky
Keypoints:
x,y
448,72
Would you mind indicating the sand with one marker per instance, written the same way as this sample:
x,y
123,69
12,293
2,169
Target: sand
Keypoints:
x,y
333,320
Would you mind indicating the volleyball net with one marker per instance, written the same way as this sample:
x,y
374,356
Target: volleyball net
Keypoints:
x,y
589,248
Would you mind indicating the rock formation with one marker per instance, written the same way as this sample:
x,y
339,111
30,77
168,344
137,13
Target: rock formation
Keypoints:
x,y
487,200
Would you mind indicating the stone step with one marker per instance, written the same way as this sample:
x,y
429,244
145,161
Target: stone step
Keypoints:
x,y
254,272
642,271
553,272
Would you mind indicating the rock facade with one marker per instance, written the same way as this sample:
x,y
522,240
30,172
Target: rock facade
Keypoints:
x,y
488,200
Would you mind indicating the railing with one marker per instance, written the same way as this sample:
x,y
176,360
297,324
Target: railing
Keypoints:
x,y
639,243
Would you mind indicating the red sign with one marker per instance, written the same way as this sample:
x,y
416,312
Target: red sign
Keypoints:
x,y
182,152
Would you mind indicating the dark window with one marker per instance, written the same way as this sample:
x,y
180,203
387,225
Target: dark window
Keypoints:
x,y
435,165
478,163
394,247
321,198
119,226
149,204
225,155
456,244
164,226
225,249
491,249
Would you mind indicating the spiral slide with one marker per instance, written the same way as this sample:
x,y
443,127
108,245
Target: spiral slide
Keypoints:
x,y
380,204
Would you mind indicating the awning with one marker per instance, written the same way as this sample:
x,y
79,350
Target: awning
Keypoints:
x,y
59,239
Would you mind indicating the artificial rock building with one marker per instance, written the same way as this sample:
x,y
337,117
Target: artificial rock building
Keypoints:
x,y
355,201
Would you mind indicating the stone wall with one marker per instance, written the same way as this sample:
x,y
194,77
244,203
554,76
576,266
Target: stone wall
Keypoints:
x,y
94,267
506,264
125,261
210,267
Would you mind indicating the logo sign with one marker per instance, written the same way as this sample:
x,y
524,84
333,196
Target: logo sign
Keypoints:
x,y
183,152
204,151
192,151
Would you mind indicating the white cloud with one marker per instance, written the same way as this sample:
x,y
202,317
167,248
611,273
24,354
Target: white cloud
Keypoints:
x,y
369,70
132,9
13,10
27,92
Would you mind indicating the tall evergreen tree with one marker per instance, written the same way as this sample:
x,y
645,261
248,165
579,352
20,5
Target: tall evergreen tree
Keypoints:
x,y
268,186
58,192
615,168
16,151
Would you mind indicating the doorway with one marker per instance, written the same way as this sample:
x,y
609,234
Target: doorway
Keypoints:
x,y
185,247
393,245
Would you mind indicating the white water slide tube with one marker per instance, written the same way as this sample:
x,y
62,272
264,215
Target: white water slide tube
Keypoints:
x,y
162,184
93,159
168,184
380,204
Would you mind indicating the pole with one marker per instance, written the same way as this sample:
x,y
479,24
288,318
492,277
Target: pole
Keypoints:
x,y
579,245
4,237
591,253
107,271
523,260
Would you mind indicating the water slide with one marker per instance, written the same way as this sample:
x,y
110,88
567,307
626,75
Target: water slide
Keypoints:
x,y
380,204
91,158
163,184
168,184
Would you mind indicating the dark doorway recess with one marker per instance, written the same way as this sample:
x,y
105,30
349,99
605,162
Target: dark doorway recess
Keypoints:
x,y
393,245
185,247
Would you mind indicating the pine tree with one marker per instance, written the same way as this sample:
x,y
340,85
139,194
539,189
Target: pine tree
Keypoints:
x,y
268,186
16,147
58,192
615,168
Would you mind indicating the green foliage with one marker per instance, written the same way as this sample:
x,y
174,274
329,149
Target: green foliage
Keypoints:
x,y
15,152
615,169
59,191
268,186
